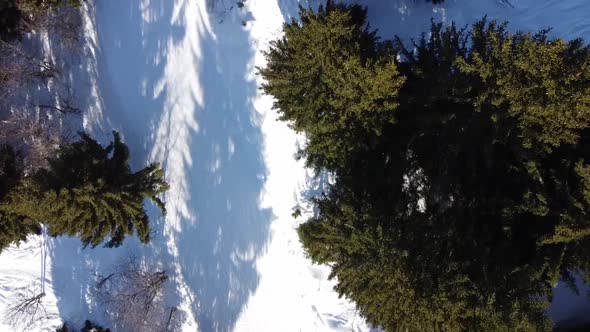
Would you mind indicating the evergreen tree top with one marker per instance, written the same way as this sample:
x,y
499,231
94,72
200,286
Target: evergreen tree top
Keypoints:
x,y
89,191
462,177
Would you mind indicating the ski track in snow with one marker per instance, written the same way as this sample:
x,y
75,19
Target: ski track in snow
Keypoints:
x,y
178,81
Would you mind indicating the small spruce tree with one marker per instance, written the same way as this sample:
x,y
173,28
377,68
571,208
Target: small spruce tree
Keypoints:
x,y
89,191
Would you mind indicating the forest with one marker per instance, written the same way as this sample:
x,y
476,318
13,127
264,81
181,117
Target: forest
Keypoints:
x,y
462,182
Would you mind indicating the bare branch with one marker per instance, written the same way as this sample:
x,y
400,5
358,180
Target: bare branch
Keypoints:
x,y
64,107
134,298
33,134
26,307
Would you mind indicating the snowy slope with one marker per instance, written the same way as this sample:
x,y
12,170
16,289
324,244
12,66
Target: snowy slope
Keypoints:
x,y
178,80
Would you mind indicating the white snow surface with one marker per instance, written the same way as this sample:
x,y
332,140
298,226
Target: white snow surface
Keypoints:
x,y
177,79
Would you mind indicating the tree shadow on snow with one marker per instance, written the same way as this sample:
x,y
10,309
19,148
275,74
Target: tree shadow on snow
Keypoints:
x,y
131,54
225,230
214,219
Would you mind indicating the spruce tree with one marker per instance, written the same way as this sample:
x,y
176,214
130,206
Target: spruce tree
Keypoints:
x,y
333,80
90,192
464,209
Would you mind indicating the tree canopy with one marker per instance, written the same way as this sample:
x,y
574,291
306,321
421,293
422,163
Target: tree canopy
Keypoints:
x,y
342,86
13,228
462,187
90,192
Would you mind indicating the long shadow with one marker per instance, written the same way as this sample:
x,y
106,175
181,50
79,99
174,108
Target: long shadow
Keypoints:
x,y
131,56
215,228
135,39
228,229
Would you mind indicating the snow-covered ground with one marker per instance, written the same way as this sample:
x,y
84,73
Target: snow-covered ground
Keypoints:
x,y
177,79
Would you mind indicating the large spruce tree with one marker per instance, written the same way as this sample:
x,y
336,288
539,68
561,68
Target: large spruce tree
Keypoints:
x,y
464,208
90,192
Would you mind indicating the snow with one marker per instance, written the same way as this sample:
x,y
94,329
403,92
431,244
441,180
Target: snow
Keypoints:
x,y
178,80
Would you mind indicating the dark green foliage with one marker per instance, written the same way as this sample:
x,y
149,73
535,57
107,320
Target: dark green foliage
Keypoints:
x,y
12,228
10,169
91,327
10,19
333,80
462,210
88,327
540,82
89,191
97,194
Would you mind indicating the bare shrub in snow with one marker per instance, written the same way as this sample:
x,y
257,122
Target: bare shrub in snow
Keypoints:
x,y
66,23
133,297
18,67
64,105
26,308
34,134
35,94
